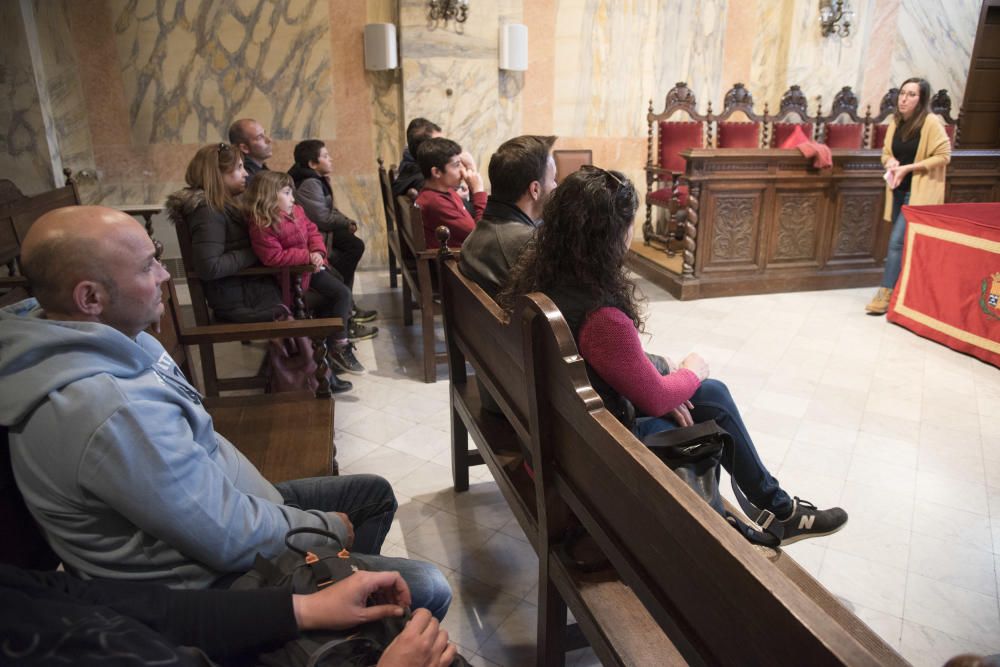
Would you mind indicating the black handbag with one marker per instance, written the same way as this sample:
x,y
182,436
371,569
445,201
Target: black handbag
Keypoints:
x,y
695,453
305,571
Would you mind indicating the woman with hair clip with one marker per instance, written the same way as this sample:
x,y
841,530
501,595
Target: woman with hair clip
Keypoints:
x,y
220,241
577,259
915,154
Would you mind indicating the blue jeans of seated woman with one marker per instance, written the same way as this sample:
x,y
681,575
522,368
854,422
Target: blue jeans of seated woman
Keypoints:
x,y
894,258
713,401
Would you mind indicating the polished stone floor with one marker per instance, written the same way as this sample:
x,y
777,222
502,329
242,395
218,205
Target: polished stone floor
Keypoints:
x,y
845,409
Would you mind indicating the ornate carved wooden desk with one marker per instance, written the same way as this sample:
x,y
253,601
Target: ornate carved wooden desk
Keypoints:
x,y
764,220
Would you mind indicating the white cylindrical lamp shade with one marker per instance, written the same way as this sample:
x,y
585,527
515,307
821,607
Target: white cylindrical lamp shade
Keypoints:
x,y
380,46
514,47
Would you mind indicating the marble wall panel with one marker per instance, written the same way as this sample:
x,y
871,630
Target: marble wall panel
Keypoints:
x,y
190,68
934,41
24,146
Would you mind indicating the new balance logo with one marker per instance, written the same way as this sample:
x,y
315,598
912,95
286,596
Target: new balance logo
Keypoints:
x,y
806,522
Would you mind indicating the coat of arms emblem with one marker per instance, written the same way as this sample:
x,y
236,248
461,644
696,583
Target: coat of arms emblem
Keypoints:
x,y
989,299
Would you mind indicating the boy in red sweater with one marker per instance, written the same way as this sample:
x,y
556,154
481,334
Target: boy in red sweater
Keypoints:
x,y
444,168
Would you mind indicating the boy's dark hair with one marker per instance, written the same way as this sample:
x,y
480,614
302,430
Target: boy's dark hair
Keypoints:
x,y
418,131
516,164
307,151
436,153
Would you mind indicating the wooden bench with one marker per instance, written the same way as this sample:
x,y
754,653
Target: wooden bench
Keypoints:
x,y
419,273
286,435
385,181
682,585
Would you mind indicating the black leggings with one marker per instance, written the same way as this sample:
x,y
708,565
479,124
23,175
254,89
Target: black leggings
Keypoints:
x,y
346,250
328,296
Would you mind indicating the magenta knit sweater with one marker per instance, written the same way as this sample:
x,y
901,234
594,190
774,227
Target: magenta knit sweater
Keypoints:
x,y
609,342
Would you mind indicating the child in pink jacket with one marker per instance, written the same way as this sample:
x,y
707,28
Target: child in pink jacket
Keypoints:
x,y
282,235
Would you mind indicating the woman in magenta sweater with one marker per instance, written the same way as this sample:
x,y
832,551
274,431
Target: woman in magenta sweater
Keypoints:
x,y
577,258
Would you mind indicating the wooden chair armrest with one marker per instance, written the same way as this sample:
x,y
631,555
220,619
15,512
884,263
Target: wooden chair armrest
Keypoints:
x,y
272,270
10,282
433,253
222,333
660,170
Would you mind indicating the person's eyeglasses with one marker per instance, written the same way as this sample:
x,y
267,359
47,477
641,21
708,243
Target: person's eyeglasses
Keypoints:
x,y
594,167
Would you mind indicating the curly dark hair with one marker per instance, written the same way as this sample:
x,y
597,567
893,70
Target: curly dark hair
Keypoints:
x,y
581,243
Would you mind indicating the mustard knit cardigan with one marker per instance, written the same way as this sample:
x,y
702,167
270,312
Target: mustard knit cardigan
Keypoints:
x,y
933,153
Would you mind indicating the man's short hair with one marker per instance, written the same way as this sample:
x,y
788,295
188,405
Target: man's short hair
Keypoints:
x,y
418,131
308,151
436,153
517,164
58,264
237,132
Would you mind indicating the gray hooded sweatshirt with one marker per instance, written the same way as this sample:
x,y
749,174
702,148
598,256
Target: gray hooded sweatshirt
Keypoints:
x,y
119,463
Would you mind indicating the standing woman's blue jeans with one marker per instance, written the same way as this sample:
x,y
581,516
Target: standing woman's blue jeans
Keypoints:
x,y
894,258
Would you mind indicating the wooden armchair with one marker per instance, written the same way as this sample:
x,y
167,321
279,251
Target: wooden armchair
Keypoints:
x,y
665,167
287,435
838,134
212,383
779,128
385,180
878,123
18,212
419,272
941,105
739,134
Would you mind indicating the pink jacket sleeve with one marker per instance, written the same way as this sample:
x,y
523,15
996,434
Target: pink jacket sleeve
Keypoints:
x,y
267,245
609,342
315,239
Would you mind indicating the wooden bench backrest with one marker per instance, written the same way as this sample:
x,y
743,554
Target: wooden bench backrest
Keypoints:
x,y
17,215
716,596
497,356
385,188
410,223
169,334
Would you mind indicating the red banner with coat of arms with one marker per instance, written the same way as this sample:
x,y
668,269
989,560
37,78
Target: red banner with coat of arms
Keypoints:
x,y
949,287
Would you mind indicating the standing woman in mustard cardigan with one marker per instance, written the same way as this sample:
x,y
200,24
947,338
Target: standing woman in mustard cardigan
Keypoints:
x,y
915,154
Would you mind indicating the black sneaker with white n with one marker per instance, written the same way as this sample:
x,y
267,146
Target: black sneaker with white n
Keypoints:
x,y
807,521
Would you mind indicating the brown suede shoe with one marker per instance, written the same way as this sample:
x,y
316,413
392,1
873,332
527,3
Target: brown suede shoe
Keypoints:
x,y
880,302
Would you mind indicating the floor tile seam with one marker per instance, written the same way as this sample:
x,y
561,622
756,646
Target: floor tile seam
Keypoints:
x,y
950,633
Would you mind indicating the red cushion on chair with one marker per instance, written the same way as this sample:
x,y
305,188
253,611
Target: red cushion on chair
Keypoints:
x,y
950,129
738,135
794,139
661,197
844,135
676,137
780,132
878,139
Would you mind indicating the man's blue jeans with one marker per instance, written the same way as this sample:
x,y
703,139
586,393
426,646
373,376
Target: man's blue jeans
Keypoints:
x,y
370,504
894,258
713,401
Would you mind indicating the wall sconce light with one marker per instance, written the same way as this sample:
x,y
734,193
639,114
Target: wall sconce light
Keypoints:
x,y
380,47
448,10
514,47
835,17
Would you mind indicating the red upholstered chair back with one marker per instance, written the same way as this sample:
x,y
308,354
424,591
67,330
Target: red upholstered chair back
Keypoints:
x,y
738,135
845,135
677,136
878,137
781,131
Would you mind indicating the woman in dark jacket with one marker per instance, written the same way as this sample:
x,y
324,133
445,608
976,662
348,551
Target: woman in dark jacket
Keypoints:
x,y
577,258
220,243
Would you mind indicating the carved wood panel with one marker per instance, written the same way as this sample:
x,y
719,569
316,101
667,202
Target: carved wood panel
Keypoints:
x,y
798,217
735,228
854,229
970,193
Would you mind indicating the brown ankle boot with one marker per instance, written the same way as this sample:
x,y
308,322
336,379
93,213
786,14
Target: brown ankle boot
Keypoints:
x,y
880,302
